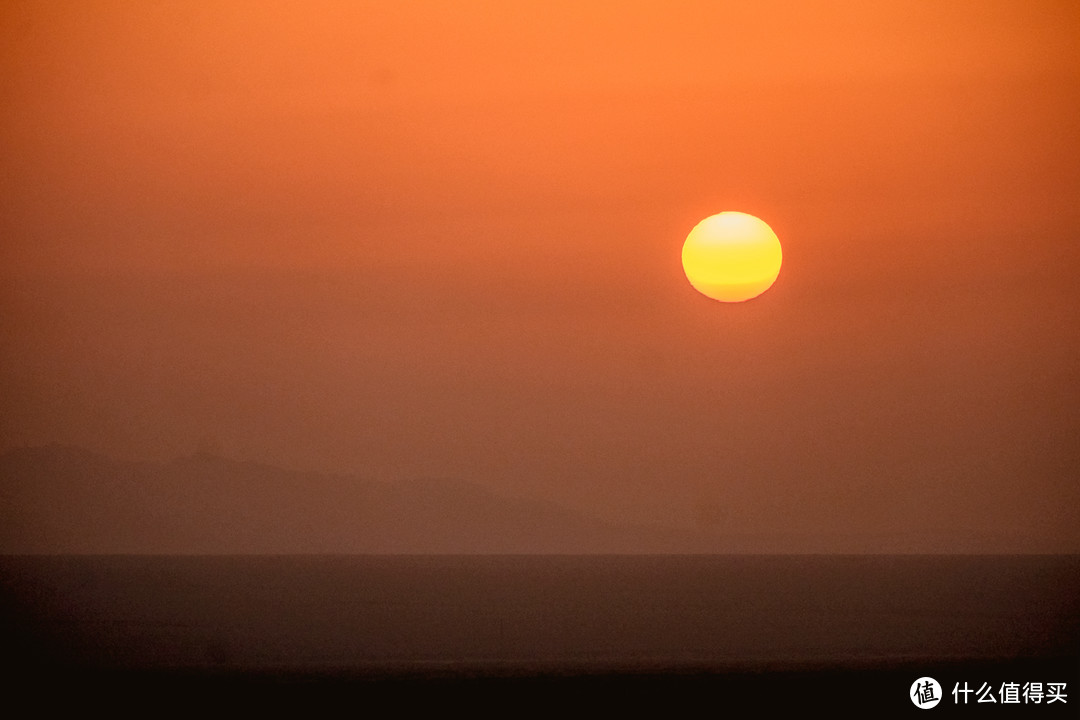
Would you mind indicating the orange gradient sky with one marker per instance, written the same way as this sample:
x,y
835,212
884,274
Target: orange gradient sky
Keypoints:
x,y
406,239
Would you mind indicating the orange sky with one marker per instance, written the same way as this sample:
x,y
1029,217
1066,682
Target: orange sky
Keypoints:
x,y
409,239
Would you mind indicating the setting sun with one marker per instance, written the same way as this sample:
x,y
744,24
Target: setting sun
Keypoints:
x,y
731,257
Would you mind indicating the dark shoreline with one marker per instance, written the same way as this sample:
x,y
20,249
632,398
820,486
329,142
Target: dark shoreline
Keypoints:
x,y
765,632
849,690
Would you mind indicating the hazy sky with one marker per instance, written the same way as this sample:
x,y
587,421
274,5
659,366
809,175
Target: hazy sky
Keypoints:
x,y
404,239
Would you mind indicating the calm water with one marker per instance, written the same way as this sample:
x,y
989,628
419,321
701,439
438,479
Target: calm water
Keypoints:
x,y
492,614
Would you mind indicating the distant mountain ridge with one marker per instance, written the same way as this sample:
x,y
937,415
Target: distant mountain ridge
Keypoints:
x,y
60,499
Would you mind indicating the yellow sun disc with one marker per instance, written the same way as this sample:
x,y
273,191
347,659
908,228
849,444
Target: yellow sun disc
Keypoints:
x,y
731,257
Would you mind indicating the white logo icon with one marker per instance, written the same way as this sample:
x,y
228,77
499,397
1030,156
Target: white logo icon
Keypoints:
x,y
925,693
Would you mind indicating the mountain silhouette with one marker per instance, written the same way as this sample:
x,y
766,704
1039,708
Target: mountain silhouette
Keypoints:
x,y
58,499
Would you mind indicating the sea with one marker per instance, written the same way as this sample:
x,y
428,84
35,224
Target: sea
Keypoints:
x,y
851,634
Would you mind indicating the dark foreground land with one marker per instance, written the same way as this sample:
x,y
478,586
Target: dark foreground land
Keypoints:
x,y
672,633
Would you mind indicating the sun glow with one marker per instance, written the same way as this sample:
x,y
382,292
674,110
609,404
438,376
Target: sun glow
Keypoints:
x,y
731,257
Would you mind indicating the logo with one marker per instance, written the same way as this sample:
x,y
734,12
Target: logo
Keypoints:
x,y
925,693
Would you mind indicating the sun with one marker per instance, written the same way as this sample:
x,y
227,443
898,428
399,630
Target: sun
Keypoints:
x,y
731,257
